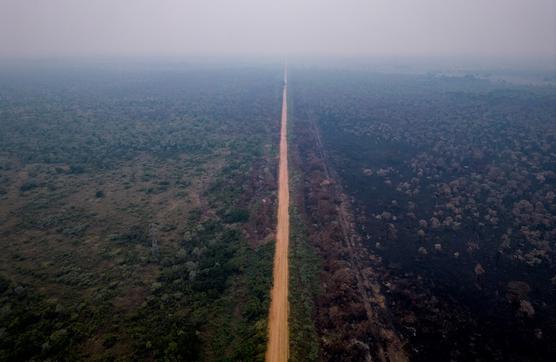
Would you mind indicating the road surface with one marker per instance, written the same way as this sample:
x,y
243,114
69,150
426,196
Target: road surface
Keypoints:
x,y
278,341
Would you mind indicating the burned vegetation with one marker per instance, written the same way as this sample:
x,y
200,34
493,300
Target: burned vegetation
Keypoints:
x,y
432,201
136,211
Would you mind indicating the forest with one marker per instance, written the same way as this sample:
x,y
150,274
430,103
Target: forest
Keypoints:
x,y
137,210
449,186
278,181
138,213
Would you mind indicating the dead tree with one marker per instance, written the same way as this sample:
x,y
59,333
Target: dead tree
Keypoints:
x,y
155,250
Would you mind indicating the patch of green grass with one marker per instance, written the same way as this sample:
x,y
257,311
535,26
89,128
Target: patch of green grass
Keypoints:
x,y
304,287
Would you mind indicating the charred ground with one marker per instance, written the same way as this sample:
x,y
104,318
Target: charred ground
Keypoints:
x,y
137,214
452,187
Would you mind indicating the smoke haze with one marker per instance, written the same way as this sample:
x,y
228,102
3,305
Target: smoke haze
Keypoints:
x,y
493,28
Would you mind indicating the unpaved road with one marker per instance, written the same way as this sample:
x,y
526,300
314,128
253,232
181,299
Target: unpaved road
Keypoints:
x,y
278,341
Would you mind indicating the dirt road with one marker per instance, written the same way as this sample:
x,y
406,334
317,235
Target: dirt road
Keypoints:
x,y
278,341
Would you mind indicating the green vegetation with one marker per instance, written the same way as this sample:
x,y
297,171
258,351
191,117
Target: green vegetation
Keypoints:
x,y
131,220
305,263
305,266
33,326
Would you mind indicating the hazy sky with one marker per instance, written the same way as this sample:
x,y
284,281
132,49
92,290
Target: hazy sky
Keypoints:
x,y
515,28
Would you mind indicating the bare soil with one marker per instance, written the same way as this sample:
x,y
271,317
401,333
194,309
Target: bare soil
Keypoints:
x,y
278,343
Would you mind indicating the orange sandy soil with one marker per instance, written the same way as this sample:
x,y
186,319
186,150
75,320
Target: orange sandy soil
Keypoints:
x,y
278,343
